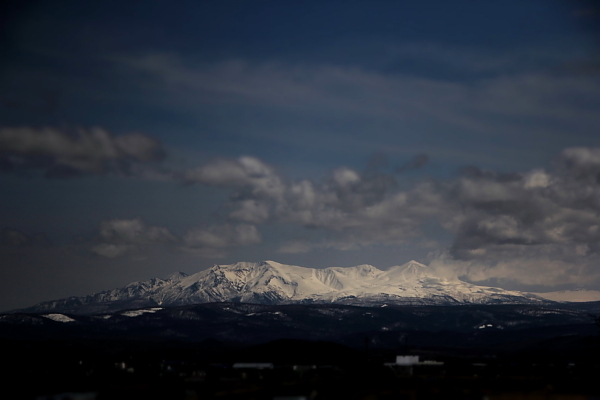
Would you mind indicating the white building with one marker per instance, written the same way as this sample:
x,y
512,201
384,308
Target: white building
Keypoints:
x,y
407,360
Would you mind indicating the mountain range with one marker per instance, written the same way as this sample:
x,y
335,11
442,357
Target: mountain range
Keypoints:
x,y
270,282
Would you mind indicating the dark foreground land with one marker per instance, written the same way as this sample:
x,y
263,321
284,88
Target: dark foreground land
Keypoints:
x,y
566,367
250,351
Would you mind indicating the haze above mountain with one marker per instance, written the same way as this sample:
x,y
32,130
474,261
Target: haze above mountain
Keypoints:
x,y
270,282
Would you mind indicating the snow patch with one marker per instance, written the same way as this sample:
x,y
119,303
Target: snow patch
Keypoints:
x,y
58,317
137,313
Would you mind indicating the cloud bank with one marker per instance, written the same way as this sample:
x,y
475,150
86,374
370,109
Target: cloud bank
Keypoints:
x,y
537,227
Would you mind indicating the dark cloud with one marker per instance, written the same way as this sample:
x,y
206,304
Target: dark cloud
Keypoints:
x,y
65,153
134,231
537,227
211,241
519,209
15,238
121,236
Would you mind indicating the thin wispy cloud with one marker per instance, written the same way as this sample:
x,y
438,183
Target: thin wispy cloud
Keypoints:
x,y
64,152
534,94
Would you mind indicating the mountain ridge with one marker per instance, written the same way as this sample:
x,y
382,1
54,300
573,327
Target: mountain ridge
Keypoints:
x,y
270,282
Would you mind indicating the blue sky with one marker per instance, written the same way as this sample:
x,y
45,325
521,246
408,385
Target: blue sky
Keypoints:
x,y
142,138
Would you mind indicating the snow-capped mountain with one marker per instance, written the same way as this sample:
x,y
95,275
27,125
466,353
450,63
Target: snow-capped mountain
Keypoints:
x,y
269,282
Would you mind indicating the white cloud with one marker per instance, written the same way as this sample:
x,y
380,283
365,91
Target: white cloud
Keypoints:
x,y
537,179
364,208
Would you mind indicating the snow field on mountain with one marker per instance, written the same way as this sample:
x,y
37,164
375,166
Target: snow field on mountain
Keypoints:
x,y
270,282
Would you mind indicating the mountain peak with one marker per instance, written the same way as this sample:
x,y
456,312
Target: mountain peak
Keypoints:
x,y
415,263
409,271
175,276
271,263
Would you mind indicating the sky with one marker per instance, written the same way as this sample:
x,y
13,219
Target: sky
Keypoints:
x,y
141,138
